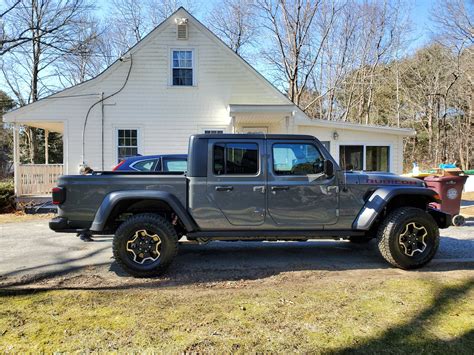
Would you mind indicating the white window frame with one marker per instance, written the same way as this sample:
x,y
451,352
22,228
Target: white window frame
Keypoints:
x,y
116,135
364,152
193,67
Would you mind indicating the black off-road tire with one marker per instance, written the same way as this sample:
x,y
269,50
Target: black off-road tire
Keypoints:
x,y
393,226
153,223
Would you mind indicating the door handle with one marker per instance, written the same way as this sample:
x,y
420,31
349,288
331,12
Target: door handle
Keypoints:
x,y
224,188
259,189
280,188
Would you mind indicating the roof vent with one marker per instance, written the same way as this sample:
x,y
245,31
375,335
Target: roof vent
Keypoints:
x,y
182,24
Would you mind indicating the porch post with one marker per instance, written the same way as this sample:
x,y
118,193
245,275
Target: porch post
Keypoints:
x,y
16,158
46,146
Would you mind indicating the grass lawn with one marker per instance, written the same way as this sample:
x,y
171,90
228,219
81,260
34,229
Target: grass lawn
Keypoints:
x,y
406,312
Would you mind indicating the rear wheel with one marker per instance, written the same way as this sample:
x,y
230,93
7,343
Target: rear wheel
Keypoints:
x,y
145,245
408,238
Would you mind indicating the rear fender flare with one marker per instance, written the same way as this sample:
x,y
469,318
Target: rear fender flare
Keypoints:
x,y
381,197
113,198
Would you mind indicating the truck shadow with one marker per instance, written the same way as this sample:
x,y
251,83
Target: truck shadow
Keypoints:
x,y
234,261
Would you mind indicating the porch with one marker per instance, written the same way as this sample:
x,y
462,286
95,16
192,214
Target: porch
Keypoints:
x,y
33,182
262,118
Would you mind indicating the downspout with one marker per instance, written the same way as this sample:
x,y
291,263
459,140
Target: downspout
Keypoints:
x,y
102,130
122,59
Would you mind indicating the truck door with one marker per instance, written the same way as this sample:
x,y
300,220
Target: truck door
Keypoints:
x,y
236,180
299,193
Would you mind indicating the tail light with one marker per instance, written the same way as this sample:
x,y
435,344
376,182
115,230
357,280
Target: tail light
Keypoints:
x,y
59,195
119,165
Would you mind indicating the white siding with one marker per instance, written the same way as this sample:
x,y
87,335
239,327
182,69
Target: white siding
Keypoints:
x,y
353,137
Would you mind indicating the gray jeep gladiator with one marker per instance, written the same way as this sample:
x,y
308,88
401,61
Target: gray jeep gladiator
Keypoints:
x,y
250,187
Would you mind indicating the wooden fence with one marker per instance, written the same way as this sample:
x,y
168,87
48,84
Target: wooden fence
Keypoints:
x,y
37,179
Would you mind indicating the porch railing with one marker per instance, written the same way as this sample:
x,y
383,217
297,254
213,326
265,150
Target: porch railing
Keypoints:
x,y
37,179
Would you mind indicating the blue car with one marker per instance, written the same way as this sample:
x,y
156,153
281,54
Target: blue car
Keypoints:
x,y
159,163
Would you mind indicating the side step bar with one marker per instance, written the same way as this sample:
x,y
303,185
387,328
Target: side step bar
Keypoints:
x,y
274,234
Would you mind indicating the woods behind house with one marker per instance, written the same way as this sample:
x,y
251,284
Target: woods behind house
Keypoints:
x,y
343,60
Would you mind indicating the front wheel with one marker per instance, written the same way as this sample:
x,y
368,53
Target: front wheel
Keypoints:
x,y
408,238
145,245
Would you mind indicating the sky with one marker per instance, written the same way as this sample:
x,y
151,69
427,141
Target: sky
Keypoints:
x,y
419,12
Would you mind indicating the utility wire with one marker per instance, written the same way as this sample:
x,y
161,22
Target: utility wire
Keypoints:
x,y
98,102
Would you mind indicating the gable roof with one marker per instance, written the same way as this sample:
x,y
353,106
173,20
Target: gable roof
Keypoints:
x,y
69,92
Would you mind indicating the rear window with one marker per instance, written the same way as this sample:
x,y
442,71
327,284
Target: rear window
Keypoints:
x,y
236,158
170,164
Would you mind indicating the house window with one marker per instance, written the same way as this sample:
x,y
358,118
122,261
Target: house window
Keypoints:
x,y
377,158
236,158
127,144
296,159
182,68
351,157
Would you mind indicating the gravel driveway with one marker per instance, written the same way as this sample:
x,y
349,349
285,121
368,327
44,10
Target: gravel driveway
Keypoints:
x,y
31,251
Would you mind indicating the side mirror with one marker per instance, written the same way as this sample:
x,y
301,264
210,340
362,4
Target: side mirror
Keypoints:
x,y
329,168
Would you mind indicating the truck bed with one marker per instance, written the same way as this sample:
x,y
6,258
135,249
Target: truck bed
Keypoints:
x,y
85,193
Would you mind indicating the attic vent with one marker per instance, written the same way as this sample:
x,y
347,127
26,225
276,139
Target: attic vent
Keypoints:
x,y
182,25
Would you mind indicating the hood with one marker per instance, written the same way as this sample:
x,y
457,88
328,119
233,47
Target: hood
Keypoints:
x,y
382,179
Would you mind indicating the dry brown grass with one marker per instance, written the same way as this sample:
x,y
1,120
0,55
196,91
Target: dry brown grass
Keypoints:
x,y
18,217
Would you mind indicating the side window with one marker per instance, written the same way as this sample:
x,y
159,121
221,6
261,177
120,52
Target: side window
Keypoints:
x,y
235,158
170,164
145,165
297,159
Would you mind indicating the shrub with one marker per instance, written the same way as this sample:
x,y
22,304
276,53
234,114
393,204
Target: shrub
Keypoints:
x,y
7,196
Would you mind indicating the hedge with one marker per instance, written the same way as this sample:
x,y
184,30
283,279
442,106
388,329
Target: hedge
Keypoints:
x,y
7,197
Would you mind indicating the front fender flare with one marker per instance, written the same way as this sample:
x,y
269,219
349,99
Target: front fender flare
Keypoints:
x,y
111,200
381,197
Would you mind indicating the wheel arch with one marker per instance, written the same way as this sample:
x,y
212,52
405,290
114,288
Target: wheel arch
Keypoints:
x,y
137,201
386,199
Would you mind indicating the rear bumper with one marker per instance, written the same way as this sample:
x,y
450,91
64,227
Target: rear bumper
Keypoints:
x,y
443,219
61,224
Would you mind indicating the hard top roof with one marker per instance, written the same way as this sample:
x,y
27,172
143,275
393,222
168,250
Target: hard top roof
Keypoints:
x,y
252,136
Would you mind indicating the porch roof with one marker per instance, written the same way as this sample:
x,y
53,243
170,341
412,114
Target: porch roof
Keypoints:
x,y
50,126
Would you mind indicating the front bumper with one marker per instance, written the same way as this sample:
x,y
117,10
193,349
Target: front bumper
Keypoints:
x,y
443,219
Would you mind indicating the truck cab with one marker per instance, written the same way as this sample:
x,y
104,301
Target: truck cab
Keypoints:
x,y
262,182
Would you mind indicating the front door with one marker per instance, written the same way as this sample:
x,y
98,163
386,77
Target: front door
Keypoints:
x,y
236,180
299,193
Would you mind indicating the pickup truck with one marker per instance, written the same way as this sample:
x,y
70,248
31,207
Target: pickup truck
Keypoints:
x,y
250,187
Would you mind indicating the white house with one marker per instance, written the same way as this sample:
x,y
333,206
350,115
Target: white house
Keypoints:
x,y
181,80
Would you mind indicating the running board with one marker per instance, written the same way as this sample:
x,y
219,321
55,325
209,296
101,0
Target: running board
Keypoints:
x,y
274,234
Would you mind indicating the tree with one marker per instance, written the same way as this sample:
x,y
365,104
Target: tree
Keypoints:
x,y
299,29
6,137
234,21
39,33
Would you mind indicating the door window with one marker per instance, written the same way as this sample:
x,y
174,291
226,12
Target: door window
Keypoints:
x,y
236,158
351,157
297,159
